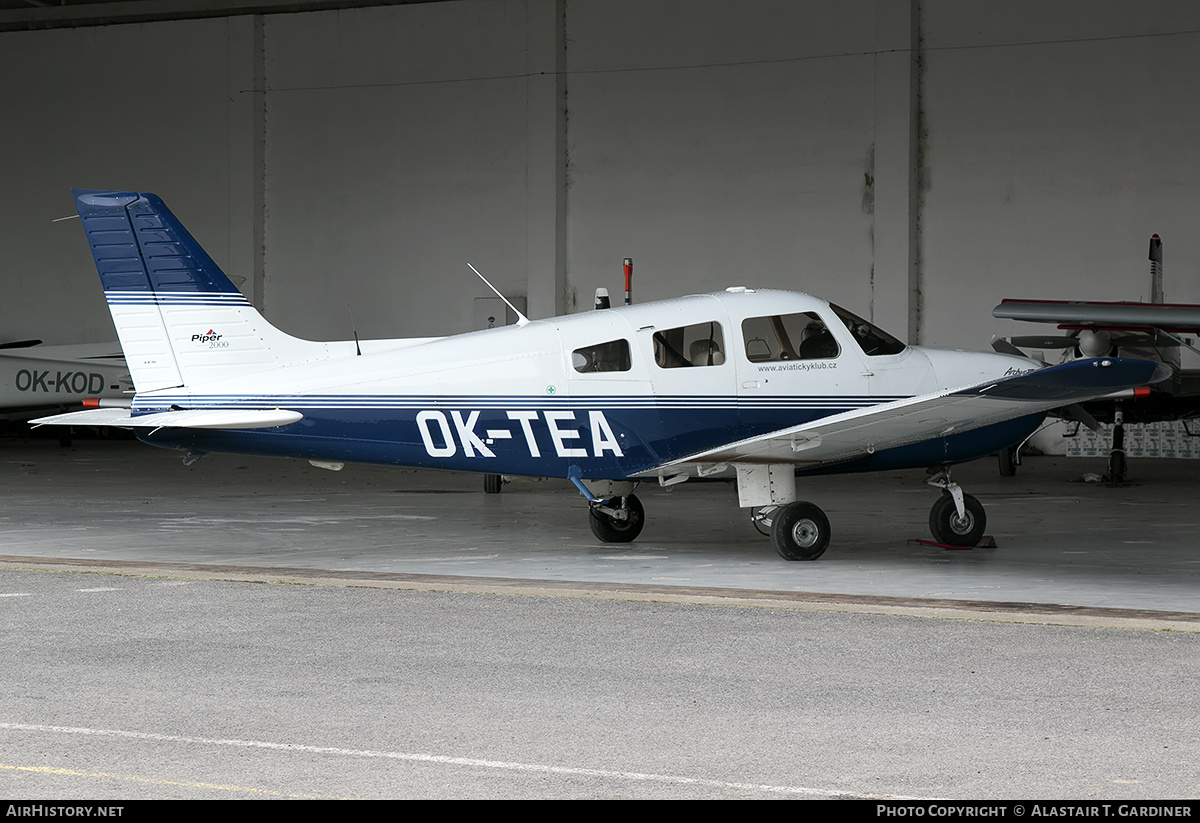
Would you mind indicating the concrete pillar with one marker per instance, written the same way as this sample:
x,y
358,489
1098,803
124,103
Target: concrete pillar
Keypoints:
x,y
546,148
247,144
896,287
259,185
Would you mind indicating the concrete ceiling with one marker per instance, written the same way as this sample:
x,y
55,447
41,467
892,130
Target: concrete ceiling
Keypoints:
x,y
18,15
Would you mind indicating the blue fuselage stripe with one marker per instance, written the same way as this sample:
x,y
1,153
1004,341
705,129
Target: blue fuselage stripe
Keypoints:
x,y
609,437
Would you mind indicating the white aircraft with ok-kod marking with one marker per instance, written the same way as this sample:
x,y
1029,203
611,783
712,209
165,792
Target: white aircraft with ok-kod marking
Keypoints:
x,y
755,386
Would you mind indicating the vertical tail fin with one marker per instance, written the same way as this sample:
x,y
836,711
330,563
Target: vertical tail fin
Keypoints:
x,y
179,318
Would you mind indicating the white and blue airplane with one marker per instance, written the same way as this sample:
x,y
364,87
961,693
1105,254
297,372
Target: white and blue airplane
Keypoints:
x,y
755,386
37,379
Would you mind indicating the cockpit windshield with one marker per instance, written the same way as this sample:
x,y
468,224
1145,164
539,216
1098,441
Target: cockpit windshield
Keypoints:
x,y
873,340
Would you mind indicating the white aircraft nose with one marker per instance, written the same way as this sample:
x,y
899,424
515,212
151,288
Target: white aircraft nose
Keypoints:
x,y
954,368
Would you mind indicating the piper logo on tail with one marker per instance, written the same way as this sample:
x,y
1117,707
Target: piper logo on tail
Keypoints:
x,y
210,340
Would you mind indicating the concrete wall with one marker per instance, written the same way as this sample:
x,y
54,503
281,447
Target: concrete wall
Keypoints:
x,y
1059,137
153,108
395,154
355,160
719,144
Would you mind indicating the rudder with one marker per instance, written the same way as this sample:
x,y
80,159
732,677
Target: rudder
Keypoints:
x,y
179,318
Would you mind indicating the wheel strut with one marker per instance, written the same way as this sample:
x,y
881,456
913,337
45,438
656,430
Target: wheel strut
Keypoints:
x,y
956,519
942,481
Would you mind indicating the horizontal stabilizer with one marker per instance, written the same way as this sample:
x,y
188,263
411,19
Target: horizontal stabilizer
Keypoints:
x,y
183,419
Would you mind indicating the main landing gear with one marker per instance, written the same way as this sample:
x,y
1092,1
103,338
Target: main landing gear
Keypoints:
x,y
798,530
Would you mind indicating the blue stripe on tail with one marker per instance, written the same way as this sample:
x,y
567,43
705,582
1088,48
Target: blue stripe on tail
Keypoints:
x,y
140,246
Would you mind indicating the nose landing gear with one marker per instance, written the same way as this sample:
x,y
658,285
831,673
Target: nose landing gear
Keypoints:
x,y
957,518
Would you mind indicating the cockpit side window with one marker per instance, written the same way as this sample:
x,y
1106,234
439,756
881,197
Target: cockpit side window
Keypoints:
x,y
602,357
800,336
873,340
702,344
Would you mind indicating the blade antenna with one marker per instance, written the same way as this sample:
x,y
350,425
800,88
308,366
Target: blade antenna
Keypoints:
x,y
521,319
354,328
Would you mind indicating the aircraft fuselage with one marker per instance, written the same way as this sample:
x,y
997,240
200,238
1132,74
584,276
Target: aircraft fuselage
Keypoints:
x,y
541,398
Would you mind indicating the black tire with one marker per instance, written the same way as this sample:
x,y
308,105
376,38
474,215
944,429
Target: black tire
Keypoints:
x,y
800,531
492,483
1116,466
610,530
1008,461
948,528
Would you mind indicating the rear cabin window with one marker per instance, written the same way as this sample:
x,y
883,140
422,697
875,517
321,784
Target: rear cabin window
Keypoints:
x,y
800,336
702,344
602,357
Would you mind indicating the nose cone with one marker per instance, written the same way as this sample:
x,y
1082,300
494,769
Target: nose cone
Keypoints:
x,y
958,369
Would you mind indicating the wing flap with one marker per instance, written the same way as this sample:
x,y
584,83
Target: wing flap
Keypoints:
x,y
856,433
182,419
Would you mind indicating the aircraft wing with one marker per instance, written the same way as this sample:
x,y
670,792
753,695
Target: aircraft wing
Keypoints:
x,y
854,434
182,419
1173,317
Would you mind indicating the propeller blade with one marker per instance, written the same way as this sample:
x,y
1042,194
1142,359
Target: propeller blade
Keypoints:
x,y
1032,341
1001,345
1144,341
1078,412
20,344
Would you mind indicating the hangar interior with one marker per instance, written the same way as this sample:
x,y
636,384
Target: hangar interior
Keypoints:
x,y
913,160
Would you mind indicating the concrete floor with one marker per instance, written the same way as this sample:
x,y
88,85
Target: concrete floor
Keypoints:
x,y
137,665
1061,543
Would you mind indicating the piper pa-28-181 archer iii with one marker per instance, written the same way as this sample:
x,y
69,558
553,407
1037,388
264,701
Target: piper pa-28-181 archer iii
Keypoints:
x,y
753,386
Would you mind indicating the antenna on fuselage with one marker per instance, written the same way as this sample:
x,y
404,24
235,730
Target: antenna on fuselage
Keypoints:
x,y
521,319
354,328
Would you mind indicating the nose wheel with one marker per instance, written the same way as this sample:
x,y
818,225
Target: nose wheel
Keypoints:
x,y
957,518
953,529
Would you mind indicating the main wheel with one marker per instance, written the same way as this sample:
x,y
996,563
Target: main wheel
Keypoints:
x,y
492,483
610,530
1008,461
948,528
800,531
